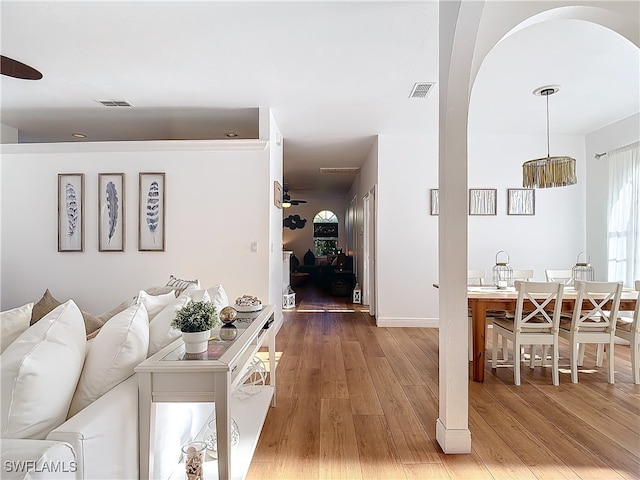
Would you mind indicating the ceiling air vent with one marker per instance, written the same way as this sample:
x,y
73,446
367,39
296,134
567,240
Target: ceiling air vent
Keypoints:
x,y
339,169
114,103
421,90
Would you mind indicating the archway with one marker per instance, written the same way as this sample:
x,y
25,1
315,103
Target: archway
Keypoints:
x,y
468,31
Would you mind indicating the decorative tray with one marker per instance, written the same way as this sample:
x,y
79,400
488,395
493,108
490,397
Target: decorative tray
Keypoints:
x,y
248,308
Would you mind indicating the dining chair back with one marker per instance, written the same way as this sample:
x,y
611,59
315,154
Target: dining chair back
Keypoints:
x,y
562,276
523,275
476,277
593,321
536,322
629,330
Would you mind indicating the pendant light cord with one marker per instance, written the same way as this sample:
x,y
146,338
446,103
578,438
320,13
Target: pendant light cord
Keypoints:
x,y
548,135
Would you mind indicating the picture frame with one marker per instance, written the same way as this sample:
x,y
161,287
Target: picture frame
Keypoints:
x,y
151,212
277,194
435,201
71,212
482,201
111,212
521,201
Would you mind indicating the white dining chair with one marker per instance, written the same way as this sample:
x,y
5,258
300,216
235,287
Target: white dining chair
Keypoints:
x,y
523,275
476,277
629,329
562,276
531,327
592,324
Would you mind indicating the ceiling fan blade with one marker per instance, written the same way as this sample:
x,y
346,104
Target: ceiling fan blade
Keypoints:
x,y
297,202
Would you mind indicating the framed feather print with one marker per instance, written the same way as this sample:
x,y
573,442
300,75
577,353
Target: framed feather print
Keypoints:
x,y
111,212
71,212
151,212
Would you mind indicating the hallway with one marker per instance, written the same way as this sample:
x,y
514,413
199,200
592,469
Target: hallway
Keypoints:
x,y
360,402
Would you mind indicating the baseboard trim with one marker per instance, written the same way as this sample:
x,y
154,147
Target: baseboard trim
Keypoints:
x,y
408,322
453,441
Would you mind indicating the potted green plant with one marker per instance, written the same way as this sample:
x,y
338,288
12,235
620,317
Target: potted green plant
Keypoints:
x,y
195,320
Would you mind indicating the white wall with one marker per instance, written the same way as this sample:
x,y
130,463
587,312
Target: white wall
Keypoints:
x,y
407,254
8,134
275,216
214,211
551,238
609,138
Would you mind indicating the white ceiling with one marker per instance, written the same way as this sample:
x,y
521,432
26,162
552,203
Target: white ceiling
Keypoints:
x,y
335,74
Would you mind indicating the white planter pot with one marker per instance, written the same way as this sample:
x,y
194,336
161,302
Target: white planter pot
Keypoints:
x,y
196,342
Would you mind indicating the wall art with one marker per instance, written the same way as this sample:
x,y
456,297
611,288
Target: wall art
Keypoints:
x,y
111,222
435,201
482,201
71,212
277,194
521,201
294,221
151,212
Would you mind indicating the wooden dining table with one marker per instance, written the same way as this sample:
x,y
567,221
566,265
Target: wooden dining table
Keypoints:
x,y
483,298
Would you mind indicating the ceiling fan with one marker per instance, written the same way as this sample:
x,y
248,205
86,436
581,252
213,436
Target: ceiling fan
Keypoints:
x,y
287,201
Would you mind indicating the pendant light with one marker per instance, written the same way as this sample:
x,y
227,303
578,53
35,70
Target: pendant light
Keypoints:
x,y
550,171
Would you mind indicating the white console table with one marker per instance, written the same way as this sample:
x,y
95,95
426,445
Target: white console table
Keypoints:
x,y
173,376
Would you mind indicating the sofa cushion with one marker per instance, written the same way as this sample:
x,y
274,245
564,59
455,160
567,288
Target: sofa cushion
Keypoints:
x,y
216,293
43,306
120,345
13,322
180,284
40,371
155,303
161,332
103,318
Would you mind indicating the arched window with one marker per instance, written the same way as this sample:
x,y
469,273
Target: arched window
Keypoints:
x,y
325,233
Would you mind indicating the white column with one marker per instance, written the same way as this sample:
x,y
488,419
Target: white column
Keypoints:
x,y
458,27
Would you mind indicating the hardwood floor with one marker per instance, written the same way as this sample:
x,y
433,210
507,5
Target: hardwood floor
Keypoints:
x,y
360,402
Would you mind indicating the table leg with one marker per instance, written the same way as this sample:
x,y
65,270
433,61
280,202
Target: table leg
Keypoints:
x,y
147,422
223,426
272,362
479,326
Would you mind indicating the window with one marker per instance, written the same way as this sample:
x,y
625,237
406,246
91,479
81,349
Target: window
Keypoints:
x,y
624,211
325,233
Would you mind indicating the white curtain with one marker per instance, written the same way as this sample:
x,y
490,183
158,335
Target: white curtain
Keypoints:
x,y
623,221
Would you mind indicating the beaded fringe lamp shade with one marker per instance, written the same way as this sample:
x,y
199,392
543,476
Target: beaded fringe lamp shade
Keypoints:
x,y
583,270
558,171
502,272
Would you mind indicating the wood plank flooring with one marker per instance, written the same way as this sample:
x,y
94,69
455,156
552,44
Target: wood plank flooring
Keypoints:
x,y
360,402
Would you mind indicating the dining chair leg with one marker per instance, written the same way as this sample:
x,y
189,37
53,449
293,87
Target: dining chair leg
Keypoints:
x,y
494,348
505,350
554,361
610,362
575,353
545,352
516,365
635,357
532,356
599,354
581,353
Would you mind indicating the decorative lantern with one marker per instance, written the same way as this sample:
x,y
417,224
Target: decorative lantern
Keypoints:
x,y
288,298
357,294
502,272
583,270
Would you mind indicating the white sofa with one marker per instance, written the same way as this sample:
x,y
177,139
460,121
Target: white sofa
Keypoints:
x,y
70,405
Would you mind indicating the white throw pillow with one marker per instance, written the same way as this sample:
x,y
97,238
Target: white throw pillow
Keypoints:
x,y
13,322
154,303
216,293
118,348
40,371
161,333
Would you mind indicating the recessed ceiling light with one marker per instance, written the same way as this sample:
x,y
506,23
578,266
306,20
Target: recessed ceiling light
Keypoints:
x,y
78,135
231,135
